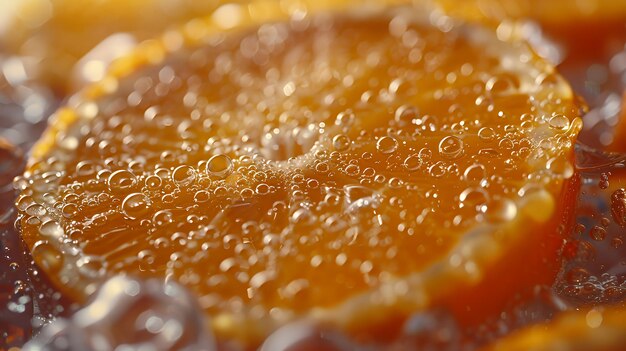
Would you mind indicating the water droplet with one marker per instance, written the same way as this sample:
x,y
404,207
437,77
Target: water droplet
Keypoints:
x,y
51,229
412,163
121,181
475,173
220,166
618,206
341,142
387,145
86,168
473,197
487,133
559,122
451,147
136,205
153,182
183,176
597,233
406,115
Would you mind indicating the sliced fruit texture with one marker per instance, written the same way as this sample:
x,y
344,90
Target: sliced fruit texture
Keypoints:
x,y
344,164
585,38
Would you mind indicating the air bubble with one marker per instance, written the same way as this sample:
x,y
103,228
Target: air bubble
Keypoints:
x,y
121,181
451,147
387,145
86,168
475,173
70,210
183,176
51,229
220,166
501,84
136,205
341,142
406,115
559,122
425,154
473,198
153,182
486,133
412,163
618,206
597,233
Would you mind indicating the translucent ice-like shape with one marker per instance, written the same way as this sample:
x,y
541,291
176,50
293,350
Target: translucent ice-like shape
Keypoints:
x,y
127,314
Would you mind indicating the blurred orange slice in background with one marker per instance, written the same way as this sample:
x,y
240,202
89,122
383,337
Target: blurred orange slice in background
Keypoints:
x,y
599,328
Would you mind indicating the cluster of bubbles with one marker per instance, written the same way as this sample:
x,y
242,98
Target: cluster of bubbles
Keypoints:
x,y
594,267
16,295
25,105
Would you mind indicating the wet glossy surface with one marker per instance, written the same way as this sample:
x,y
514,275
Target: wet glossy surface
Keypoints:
x,y
593,272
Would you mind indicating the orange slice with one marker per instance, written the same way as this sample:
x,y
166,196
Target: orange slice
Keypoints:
x,y
58,33
597,329
77,39
546,12
349,167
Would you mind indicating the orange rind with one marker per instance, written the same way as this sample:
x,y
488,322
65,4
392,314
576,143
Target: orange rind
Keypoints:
x,y
546,12
348,165
597,329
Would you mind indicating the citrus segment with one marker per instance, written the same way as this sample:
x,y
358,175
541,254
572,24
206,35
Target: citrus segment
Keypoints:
x,y
348,167
597,329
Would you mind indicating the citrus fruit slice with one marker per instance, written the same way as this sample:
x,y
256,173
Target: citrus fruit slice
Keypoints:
x,y
597,329
58,33
77,40
348,166
546,12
